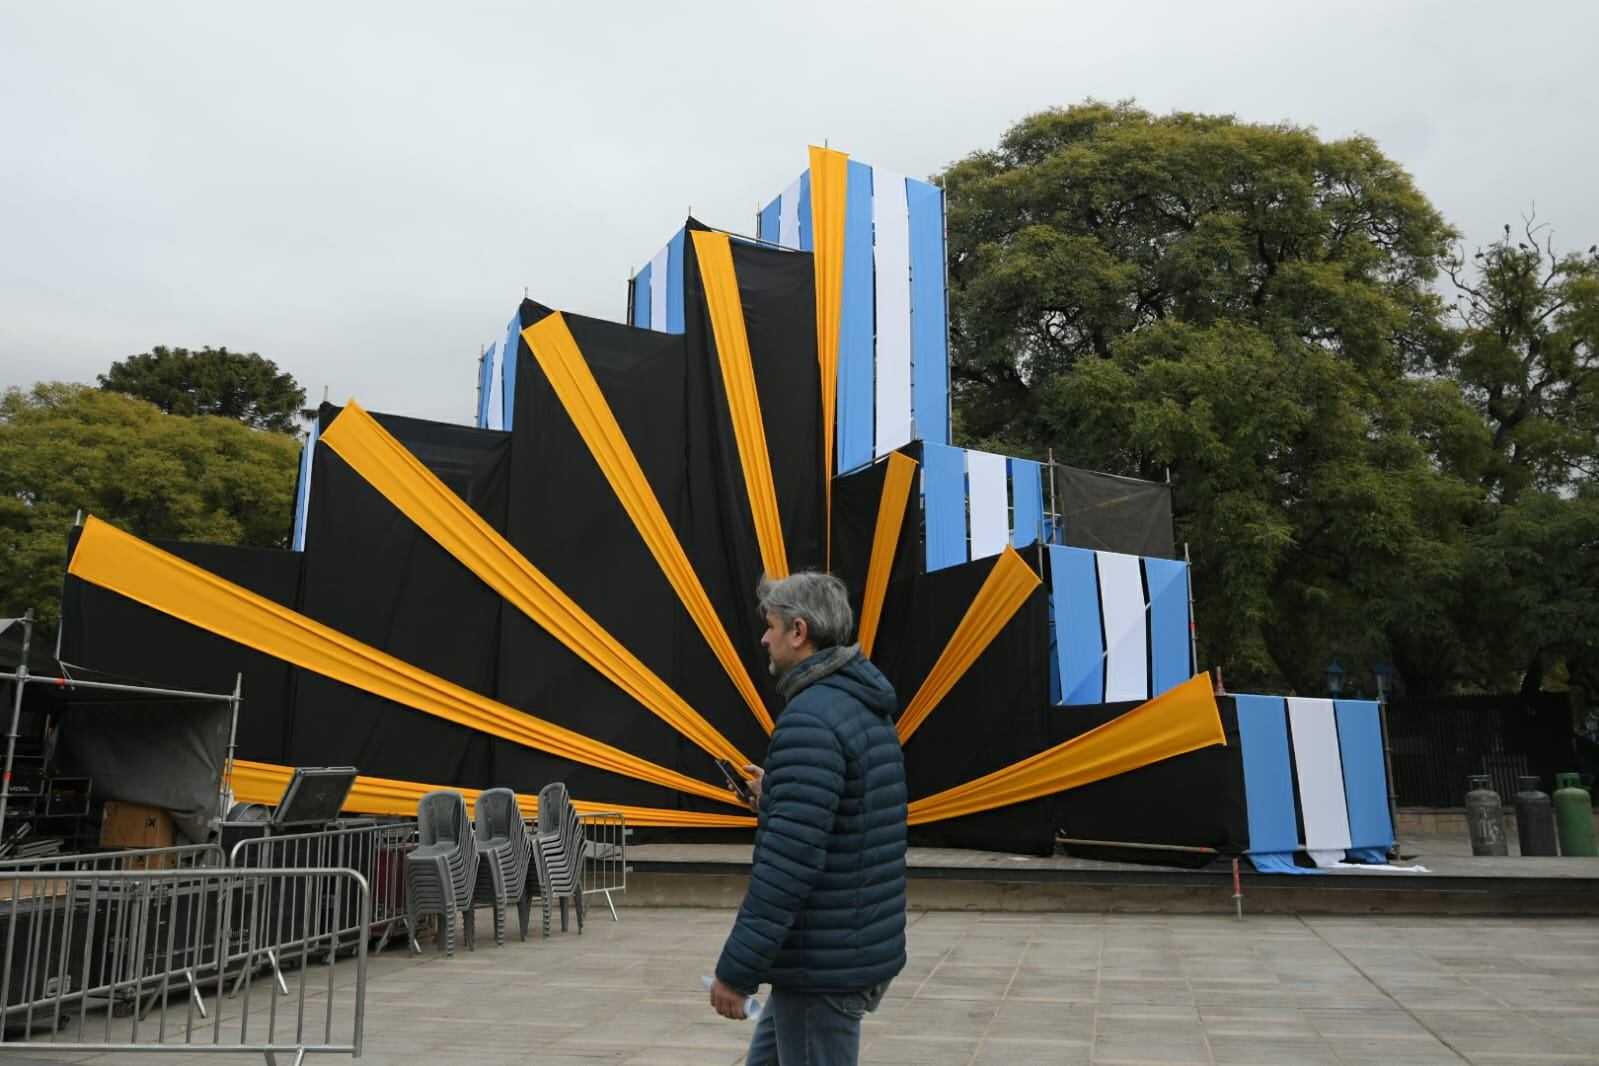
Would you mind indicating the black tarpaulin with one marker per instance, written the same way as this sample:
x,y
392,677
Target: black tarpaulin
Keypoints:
x,y
996,714
857,498
1118,514
1193,800
566,519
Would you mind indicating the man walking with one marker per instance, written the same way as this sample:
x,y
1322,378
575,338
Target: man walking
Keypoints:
x,y
823,920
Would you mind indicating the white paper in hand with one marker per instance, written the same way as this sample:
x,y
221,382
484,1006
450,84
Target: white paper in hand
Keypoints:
x,y
752,1006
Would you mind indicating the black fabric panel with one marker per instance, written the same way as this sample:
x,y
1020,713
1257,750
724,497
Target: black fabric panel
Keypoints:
x,y
1193,800
996,714
566,519
778,291
1116,514
108,633
373,575
856,500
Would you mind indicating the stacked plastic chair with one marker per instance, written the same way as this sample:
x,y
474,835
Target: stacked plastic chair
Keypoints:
x,y
440,872
558,849
503,858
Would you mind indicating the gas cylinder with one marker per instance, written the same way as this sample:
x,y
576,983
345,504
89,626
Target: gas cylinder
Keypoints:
x,y
1574,816
1535,818
1485,818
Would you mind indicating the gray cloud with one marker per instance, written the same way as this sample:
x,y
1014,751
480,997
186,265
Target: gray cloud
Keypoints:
x,y
362,191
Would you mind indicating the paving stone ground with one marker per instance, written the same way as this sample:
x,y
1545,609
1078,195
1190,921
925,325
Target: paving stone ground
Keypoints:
x,y
1017,989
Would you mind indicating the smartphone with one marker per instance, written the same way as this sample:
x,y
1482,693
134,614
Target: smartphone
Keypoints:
x,y
735,781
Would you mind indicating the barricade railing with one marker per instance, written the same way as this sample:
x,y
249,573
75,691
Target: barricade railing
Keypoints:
x,y
178,857
375,851
91,958
605,859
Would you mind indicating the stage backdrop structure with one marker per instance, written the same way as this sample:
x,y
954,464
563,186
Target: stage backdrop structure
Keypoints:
x,y
564,591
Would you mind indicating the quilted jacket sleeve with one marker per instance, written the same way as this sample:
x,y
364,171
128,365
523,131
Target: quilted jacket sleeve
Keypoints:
x,y
800,795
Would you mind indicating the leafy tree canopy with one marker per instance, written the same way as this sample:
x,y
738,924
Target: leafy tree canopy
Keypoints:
x,y
69,447
211,381
1258,311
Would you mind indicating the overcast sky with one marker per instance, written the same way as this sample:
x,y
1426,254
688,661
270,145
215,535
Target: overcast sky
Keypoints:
x,y
361,192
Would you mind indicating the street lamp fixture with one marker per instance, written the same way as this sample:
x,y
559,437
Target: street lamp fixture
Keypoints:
x,y
1336,676
1383,676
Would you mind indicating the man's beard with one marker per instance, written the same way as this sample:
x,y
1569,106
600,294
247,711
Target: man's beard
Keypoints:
x,y
771,667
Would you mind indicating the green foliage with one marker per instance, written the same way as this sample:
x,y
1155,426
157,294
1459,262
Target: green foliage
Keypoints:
x,y
1256,310
212,381
69,447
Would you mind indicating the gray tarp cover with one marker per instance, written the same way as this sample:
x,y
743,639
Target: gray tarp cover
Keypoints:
x,y
161,753
1117,514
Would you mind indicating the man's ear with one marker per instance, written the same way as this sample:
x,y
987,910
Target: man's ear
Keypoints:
x,y
802,630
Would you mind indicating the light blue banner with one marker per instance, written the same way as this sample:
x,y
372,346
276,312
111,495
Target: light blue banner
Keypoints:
x,y
485,379
1268,784
806,237
767,228
944,504
508,360
1167,581
1079,636
302,497
929,336
641,298
855,344
1371,831
1027,502
674,283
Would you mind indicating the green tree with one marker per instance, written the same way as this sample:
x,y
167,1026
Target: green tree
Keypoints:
x,y
1243,305
211,381
69,447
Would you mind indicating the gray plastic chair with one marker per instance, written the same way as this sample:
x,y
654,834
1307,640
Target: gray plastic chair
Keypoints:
x,y
558,850
503,858
440,872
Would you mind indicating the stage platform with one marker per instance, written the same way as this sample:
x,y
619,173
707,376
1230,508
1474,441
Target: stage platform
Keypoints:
x,y
713,875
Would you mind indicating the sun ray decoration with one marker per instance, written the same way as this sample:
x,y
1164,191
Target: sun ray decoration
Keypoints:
x,y
431,505
897,481
122,563
552,344
260,782
829,194
1181,720
1007,587
714,254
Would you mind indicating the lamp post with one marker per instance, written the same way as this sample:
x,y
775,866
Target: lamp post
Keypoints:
x,y
1335,676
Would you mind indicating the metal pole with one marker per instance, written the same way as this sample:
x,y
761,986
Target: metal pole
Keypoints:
x,y
482,354
233,741
1238,891
1388,769
1054,507
16,717
1193,632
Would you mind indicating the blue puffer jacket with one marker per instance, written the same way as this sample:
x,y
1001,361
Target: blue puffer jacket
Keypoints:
x,y
825,910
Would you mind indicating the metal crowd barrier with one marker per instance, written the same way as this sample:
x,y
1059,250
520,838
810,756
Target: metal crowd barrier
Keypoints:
x,y
605,859
90,955
375,851
179,857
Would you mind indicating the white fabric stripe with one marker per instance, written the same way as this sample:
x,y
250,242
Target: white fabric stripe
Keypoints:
x,y
788,222
496,413
1121,605
892,252
658,283
988,503
1314,732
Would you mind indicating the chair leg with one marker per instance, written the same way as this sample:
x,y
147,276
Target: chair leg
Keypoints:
x,y
563,914
544,898
524,911
499,921
469,926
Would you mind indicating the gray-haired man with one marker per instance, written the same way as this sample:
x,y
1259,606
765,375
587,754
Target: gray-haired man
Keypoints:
x,y
823,921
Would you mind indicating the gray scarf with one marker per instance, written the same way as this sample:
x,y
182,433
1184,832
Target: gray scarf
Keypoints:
x,y
803,675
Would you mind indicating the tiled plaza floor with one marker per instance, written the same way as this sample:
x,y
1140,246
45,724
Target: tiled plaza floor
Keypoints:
x,y
1016,989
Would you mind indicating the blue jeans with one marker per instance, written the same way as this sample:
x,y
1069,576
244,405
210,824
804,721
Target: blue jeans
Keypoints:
x,y
812,1028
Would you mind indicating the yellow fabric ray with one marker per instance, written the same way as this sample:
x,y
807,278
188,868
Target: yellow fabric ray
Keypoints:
x,y
1006,589
387,466
263,782
123,564
829,193
715,256
552,344
885,538
1182,720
